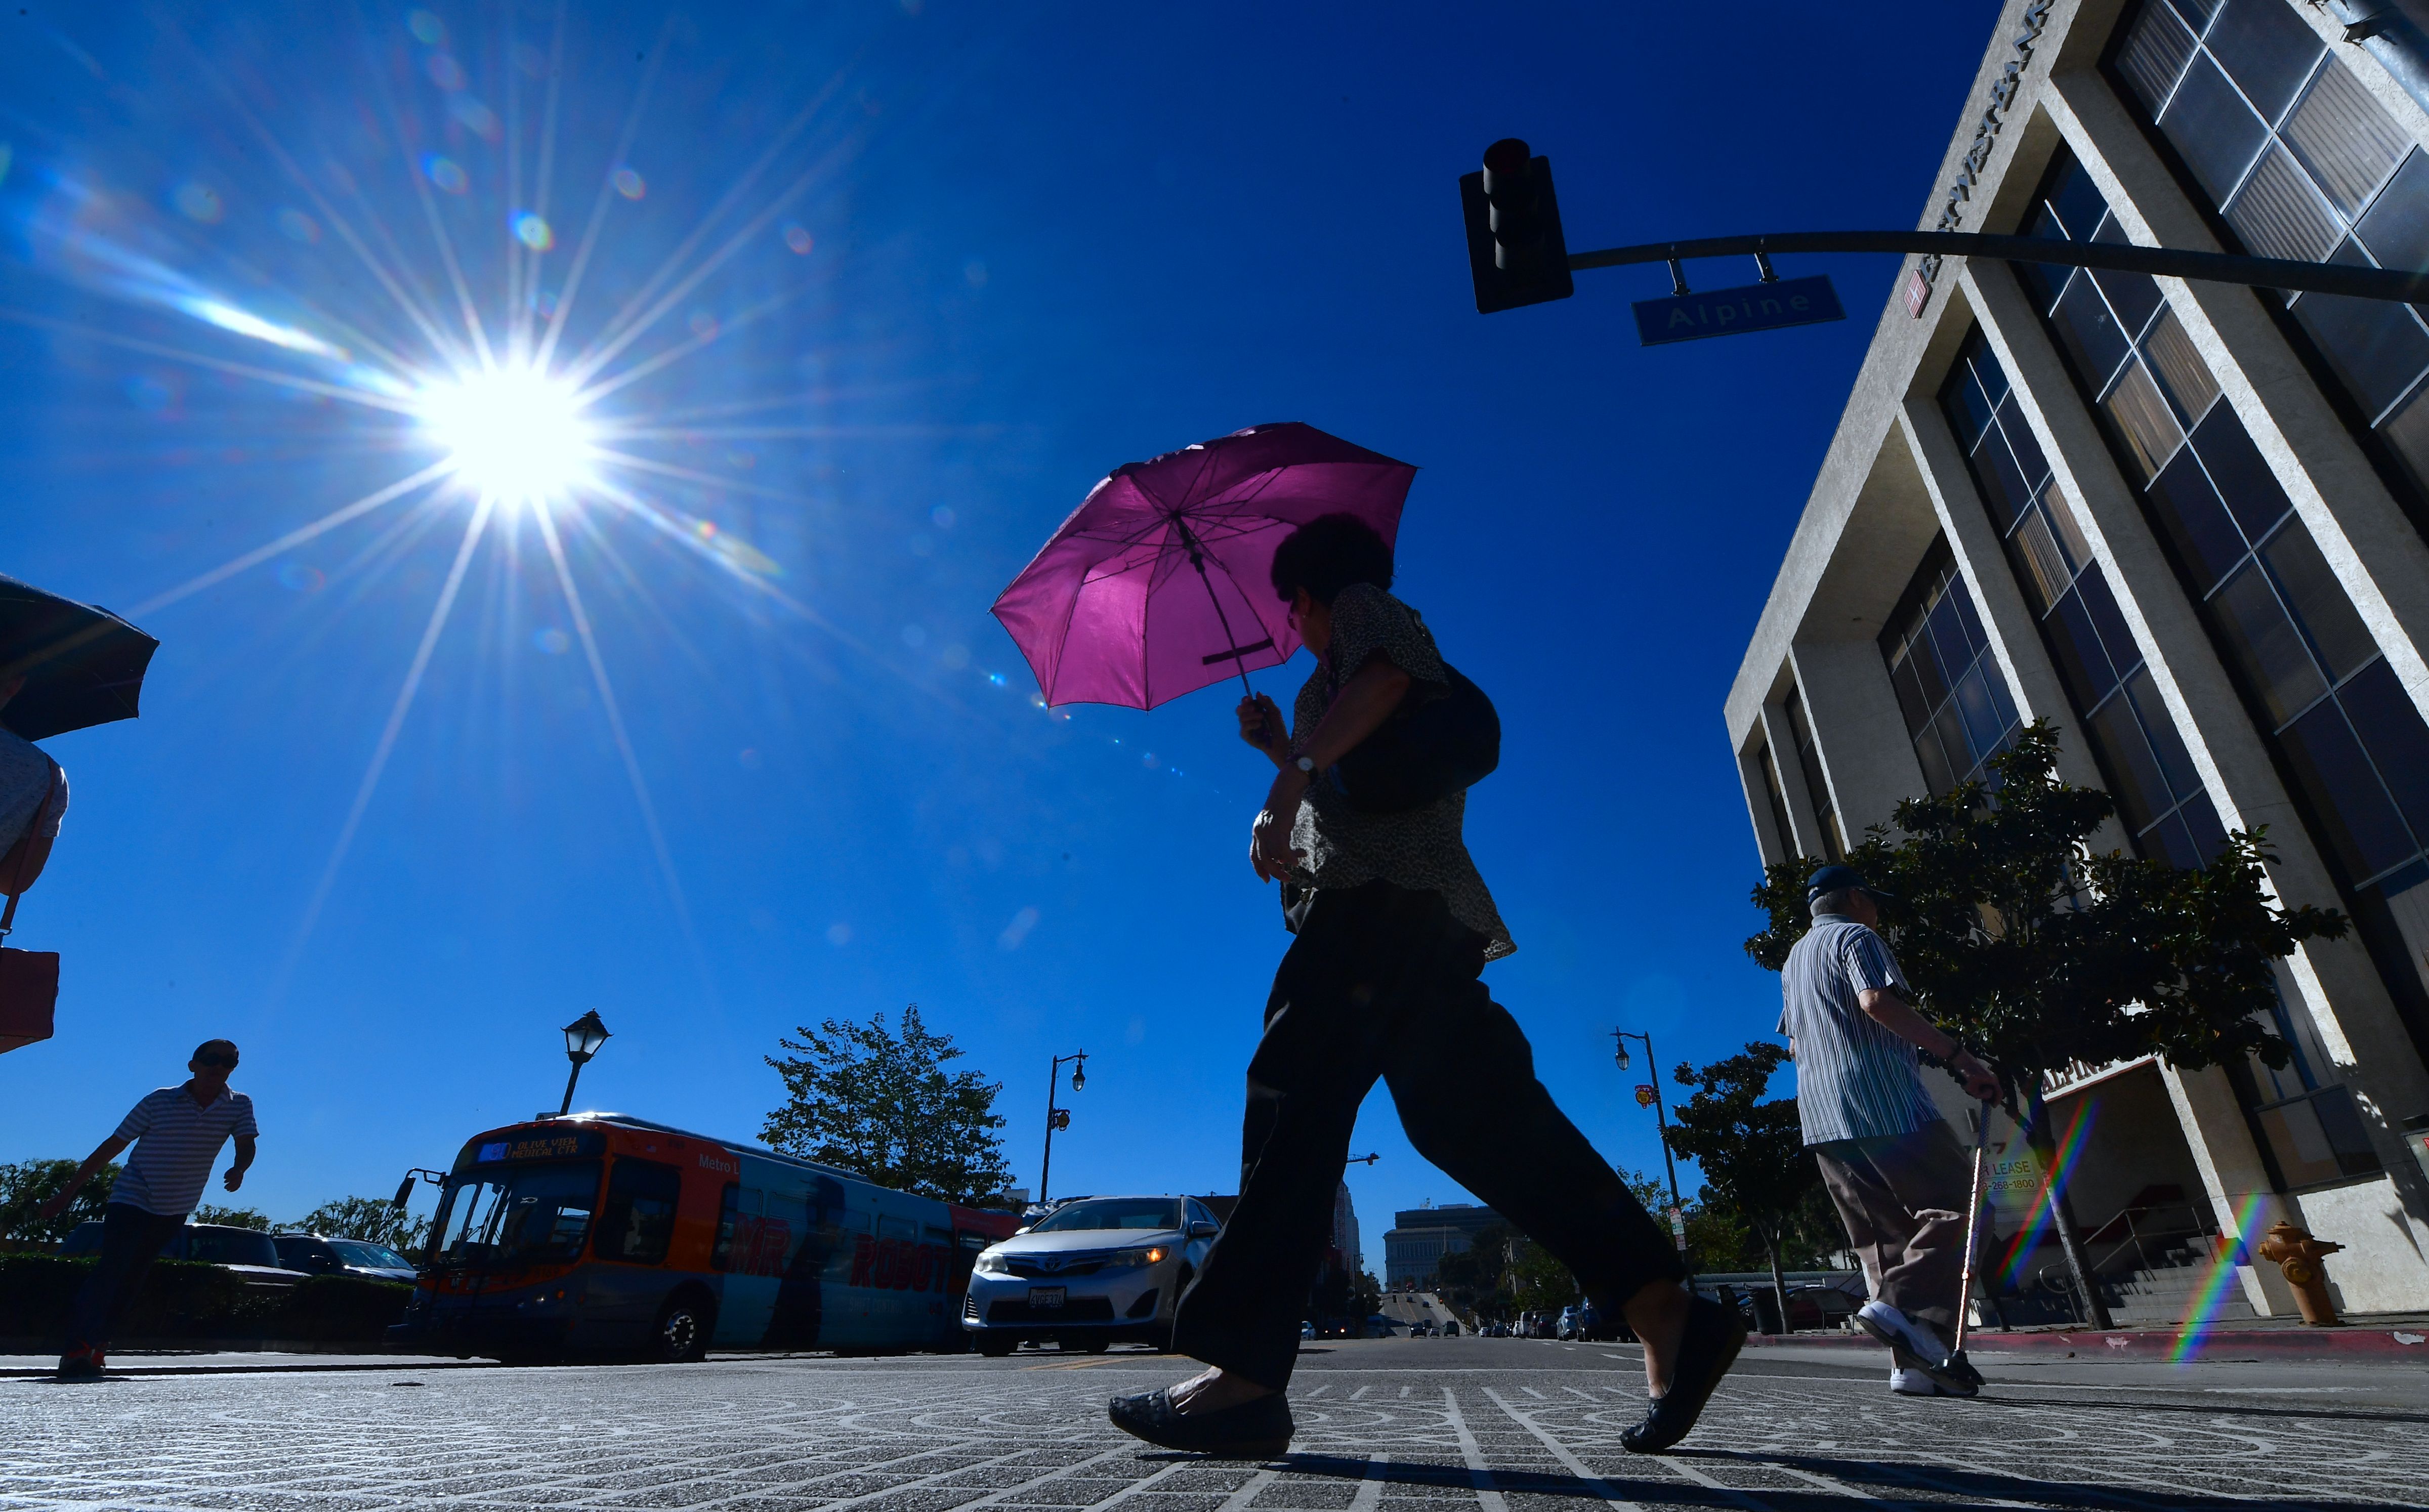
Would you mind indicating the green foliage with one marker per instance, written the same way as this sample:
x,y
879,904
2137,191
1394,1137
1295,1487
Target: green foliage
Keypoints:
x,y
375,1219
1750,1150
183,1300
878,1100
252,1218
2038,952
28,1184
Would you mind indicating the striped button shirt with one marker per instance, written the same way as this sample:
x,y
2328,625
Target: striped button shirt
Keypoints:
x,y
175,1145
1854,1079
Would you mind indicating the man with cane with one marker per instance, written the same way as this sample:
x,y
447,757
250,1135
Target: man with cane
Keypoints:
x,y
1890,1160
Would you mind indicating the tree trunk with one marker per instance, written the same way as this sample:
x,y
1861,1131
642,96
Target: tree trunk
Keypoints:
x,y
2070,1239
1778,1282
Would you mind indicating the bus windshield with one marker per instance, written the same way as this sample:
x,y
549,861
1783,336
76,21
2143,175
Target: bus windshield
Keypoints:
x,y
1113,1213
515,1215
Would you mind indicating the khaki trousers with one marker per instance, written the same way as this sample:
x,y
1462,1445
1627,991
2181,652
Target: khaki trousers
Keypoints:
x,y
1903,1199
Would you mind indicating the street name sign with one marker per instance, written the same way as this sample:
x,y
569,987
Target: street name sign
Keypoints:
x,y
1783,301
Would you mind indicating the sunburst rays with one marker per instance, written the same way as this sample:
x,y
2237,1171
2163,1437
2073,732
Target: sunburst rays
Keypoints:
x,y
412,311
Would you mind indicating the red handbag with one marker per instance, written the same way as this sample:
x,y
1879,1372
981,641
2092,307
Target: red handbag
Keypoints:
x,y
29,979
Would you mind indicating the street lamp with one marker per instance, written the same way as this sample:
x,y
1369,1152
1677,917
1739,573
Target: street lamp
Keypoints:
x,y
1660,1118
1059,1117
582,1038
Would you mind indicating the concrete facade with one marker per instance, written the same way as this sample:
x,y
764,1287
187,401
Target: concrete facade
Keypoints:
x,y
2074,96
1420,1236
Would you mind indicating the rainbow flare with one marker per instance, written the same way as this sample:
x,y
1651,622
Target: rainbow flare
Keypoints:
x,y
2062,1169
2202,1315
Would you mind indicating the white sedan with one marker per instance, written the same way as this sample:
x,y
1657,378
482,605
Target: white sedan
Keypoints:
x,y
1089,1272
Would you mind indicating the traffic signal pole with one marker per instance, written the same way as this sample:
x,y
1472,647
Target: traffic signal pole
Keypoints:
x,y
1519,253
2163,262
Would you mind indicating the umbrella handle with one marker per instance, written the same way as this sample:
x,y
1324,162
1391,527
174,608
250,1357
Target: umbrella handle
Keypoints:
x,y
1197,559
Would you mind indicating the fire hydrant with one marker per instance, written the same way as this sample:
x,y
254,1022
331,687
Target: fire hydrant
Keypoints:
x,y
2298,1255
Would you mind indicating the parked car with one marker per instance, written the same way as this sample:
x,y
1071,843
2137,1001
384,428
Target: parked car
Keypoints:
x,y
1567,1327
1450,1328
1810,1308
1088,1273
248,1252
319,1255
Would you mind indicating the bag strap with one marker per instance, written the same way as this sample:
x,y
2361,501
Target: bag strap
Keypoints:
x,y
25,849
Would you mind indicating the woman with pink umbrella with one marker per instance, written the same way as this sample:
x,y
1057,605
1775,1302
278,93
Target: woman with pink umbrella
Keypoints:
x,y
1394,925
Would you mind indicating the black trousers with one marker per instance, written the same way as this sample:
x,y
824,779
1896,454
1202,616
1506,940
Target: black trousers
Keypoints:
x,y
131,1239
1382,981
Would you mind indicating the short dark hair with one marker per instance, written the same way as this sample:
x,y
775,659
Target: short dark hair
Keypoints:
x,y
1328,554
227,1047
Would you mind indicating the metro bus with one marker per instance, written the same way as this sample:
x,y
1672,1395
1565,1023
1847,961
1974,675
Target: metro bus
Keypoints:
x,y
604,1234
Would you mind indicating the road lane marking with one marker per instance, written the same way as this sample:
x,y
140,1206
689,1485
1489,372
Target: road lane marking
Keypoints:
x,y
1239,1500
1560,1451
1370,1485
1479,1475
1360,1392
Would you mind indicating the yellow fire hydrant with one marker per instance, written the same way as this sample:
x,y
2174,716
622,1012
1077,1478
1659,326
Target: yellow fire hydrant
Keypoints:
x,y
2298,1255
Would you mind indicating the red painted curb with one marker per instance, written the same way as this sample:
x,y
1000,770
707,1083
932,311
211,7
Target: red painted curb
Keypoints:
x,y
2160,1344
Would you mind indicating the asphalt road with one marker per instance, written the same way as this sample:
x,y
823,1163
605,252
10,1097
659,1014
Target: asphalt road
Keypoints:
x,y
1398,1425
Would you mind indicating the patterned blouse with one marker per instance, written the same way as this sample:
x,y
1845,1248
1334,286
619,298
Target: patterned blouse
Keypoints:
x,y
1417,849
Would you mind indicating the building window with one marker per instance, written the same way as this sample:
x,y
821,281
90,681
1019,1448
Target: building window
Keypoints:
x,y
2287,149
1779,797
2310,1132
2123,723
1808,757
1957,710
2347,734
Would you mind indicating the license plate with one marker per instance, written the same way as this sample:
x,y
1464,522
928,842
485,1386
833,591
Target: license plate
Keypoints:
x,y
1046,1296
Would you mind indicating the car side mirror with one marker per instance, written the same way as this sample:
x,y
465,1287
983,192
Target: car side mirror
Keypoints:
x,y
403,1192
1204,1230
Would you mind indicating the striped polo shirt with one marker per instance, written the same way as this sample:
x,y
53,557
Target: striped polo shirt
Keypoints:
x,y
175,1145
1854,1079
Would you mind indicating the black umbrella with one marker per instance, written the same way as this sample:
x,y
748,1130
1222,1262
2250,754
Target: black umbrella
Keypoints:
x,y
82,665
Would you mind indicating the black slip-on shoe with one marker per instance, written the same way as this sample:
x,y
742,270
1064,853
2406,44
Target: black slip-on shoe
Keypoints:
x,y
1252,1430
1710,1347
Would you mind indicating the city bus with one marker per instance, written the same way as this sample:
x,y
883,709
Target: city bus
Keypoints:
x,y
604,1234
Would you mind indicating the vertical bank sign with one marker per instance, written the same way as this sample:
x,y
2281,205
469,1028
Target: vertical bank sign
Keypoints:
x,y
1783,301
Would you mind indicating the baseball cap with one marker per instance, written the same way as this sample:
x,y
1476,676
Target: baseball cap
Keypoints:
x,y
1835,878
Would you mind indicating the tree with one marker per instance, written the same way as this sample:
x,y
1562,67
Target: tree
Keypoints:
x,y
877,1100
2041,954
1751,1151
28,1184
376,1220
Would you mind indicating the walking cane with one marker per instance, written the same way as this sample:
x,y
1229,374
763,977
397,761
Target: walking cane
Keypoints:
x,y
1956,1362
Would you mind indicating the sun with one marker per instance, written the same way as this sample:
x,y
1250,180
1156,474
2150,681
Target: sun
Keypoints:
x,y
516,434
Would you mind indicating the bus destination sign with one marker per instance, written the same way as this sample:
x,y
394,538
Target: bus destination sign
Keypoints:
x,y
551,1146
1783,301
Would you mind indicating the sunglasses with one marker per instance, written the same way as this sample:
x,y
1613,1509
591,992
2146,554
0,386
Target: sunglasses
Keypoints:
x,y
215,1061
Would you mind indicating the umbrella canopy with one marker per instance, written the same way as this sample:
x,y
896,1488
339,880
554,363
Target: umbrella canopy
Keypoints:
x,y
1157,584
82,666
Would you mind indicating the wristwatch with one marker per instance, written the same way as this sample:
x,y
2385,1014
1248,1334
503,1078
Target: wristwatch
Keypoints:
x,y
1305,764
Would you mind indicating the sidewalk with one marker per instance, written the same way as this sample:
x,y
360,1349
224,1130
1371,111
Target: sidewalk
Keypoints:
x,y
237,1360
2391,1338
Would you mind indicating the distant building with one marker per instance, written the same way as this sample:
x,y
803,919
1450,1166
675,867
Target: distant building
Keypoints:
x,y
1345,1230
1420,1236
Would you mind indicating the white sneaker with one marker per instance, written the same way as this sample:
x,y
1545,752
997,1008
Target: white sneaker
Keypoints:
x,y
1914,1347
1914,1383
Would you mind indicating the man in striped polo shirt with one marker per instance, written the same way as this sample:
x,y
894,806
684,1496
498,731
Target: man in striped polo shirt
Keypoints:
x,y
176,1133
1891,1164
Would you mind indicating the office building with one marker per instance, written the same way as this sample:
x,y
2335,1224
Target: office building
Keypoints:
x,y
1420,1236
2189,523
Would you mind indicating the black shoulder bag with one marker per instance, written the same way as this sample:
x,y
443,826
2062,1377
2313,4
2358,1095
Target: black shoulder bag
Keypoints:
x,y
1443,738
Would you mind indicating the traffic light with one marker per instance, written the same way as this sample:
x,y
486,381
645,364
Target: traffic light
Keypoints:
x,y
1515,247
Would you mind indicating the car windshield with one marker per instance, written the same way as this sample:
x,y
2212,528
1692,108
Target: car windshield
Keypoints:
x,y
213,1245
1112,1213
369,1256
515,1214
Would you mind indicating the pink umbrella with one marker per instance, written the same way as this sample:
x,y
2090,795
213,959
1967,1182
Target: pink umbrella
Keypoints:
x,y
1157,585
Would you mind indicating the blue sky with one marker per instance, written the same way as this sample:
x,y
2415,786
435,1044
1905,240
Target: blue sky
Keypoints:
x,y
1022,245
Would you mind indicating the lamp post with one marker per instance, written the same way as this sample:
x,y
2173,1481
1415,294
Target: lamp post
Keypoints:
x,y
582,1038
1058,1117
1661,1119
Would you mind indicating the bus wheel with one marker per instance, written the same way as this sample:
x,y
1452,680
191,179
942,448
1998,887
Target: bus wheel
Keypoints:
x,y
682,1329
996,1346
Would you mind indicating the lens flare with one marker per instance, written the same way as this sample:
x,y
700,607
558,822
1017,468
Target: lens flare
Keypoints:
x,y
2200,1315
2062,1167
514,434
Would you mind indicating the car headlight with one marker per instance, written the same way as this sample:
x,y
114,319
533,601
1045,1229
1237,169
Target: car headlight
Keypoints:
x,y
992,1263
1123,1259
